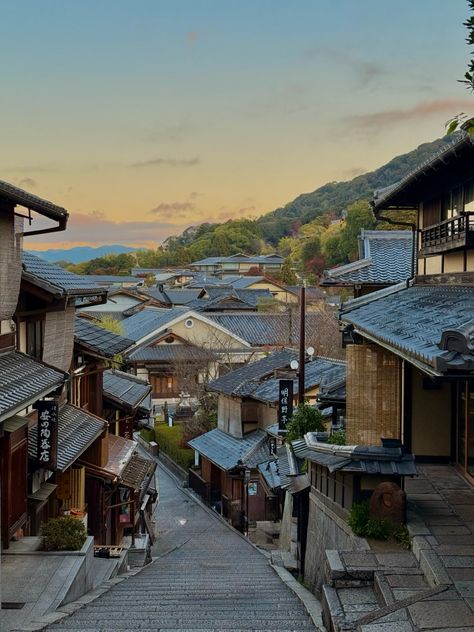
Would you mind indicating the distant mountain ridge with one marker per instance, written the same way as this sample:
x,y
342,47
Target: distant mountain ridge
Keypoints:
x,y
334,197
79,254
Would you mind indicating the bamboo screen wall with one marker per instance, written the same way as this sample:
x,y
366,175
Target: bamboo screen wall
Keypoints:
x,y
59,338
373,395
11,242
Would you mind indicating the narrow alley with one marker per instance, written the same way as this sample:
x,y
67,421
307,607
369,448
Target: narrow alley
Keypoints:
x,y
206,578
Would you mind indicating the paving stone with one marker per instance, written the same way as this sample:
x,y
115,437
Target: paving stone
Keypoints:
x,y
458,561
400,560
406,581
461,574
428,615
349,596
361,559
447,529
396,626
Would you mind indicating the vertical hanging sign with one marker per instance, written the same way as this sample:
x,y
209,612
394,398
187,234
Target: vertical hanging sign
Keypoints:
x,y
285,404
47,433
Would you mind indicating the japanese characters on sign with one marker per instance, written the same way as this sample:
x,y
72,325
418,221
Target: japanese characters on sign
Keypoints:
x,y
47,433
285,404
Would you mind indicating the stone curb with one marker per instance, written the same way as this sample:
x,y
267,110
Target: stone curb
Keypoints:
x,y
309,601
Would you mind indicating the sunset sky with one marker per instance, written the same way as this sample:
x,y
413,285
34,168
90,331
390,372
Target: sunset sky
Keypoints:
x,y
142,117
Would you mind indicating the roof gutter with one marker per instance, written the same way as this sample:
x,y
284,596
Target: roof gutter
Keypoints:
x,y
55,229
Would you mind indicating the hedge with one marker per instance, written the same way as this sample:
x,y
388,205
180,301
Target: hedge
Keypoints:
x,y
169,441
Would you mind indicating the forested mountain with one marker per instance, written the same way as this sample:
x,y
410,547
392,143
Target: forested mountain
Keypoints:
x,y
305,231
334,197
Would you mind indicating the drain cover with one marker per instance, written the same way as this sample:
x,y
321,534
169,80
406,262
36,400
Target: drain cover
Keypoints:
x,y
12,605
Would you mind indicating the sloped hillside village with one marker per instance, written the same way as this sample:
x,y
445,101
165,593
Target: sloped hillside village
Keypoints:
x,y
338,437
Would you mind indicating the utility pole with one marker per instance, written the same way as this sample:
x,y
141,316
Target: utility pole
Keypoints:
x,y
302,354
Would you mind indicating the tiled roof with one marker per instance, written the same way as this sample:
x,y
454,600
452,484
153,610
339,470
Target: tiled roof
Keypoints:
x,y
23,380
182,297
33,202
238,382
244,282
171,353
412,321
58,280
77,430
267,329
99,340
115,278
125,389
138,470
333,385
315,371
228,452
289,469
239,258
385,258
270,473
363,459
149,320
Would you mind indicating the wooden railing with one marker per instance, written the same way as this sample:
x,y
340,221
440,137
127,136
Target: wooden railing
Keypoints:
x,y
449,234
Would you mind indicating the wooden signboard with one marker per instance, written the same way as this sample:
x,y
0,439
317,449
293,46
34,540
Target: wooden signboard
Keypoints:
x,y
285,404
47,446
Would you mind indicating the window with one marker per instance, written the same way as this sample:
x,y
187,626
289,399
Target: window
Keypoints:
x,y
34,338
189,322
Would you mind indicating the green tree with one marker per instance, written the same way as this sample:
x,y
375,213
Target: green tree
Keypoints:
x,y
305,419
359,215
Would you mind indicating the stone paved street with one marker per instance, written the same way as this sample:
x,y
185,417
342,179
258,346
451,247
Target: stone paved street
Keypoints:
x,y
206,578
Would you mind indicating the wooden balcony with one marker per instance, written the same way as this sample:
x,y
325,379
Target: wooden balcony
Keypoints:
x,y
451,234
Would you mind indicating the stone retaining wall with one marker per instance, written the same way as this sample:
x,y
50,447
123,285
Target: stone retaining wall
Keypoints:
x,y
326,530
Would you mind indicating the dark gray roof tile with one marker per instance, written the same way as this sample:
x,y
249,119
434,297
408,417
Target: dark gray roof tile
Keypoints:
x,y
77,430
58,280
385,259
228,452
98,340
125,389
412,321
23,380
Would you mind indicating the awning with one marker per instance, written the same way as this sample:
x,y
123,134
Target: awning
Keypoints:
x,y
138,471
120,453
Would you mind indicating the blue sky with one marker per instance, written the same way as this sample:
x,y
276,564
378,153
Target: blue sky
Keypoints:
x,y
142,117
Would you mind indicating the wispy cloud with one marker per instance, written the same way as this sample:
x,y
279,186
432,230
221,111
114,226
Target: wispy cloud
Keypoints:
x,y
365,71
167,162
95,228
378,121
176,210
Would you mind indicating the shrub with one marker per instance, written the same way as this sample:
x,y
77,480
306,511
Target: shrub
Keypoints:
x,y
169,441
148,434
305,419
358,518
378,529
63,534
337,437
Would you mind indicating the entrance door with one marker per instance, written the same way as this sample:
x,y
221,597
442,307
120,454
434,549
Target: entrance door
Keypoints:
x,y
465,428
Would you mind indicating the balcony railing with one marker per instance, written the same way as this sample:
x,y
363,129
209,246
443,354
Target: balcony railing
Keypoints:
x,y
451,234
